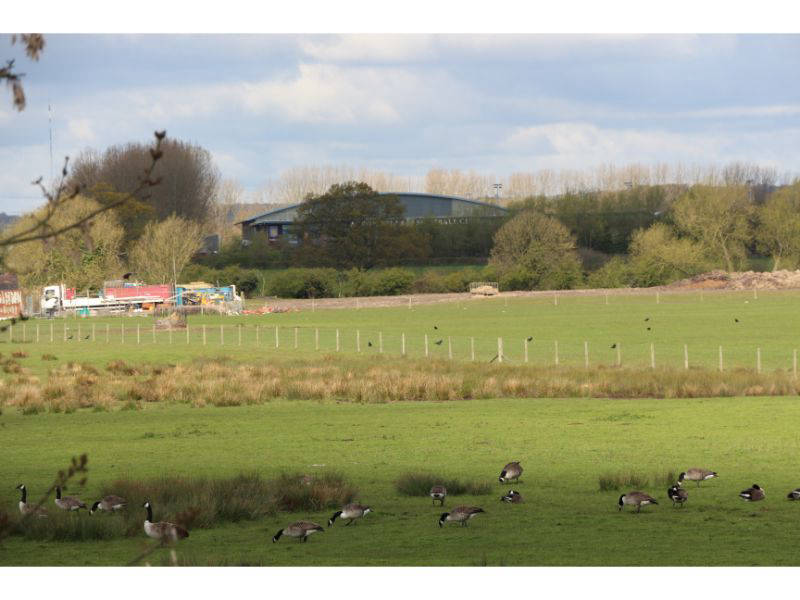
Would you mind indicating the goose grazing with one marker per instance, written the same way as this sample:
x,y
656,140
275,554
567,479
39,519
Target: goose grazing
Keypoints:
x,y
438,492
350,511
298,529
29,509
109,504
511,471
637,499
512,497
695,474
678,495
163,531
794,494
752,494
68,502
460,514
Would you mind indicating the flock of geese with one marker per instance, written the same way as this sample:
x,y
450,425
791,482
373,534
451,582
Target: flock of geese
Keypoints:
x,y
170,532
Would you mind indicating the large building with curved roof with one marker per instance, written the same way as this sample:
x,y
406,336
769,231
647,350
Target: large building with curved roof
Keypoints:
x,y
277,222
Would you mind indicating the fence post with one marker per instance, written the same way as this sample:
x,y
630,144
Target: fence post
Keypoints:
x,y
606,298
123,334
380,342
154,333
409,303
525,349
794,363
316,338
449,349
138,333
108,328
472,348
426,345
755,294
720,358
619,354
586,354
555,299
652,356
295,338
358,304
222,335
403,342
313,305
499,349
358,340
337,340
277,337
37,333
204,334
93,338
686,357
79,331
240,333
187,332
51,332
556,348
758,360
658,298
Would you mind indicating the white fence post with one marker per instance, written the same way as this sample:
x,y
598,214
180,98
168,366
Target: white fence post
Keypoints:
x,y
525,349
222,335
794,363
720,358
403,342
337,340
122,330
658,298
426,345
449,349
686,357
472,348
138,333
51,332
93,338
258,335
586,354
499,349
154,333
358,340
277,338
37,333
380,342
295,338
619,354
108,333
758,360
556,350
316,338
240,333
652,356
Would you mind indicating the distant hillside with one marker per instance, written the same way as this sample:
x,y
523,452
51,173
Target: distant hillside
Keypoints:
x,y
6,220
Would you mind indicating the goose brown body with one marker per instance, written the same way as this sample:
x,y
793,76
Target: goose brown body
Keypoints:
x,y
109,503
512,470
637,499
753,494
696,474
162,530
298,529
29,509
678,495
351,511
68,502
460,514
438,492
512,497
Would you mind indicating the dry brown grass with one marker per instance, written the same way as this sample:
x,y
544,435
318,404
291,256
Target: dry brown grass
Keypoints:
x,y
226,383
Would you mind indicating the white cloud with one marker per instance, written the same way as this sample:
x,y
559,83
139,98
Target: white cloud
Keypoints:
x,y
81,130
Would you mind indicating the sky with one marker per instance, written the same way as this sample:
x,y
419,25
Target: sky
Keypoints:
x,y
406,103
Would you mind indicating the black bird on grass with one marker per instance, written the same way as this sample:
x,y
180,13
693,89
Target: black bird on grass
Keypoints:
x,y
369,343
127,275
735,319
613,346
530,338
647,318
87,337
69,337
435,327
648,329
439,342
13,321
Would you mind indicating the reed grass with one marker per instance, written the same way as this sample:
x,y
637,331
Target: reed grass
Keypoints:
x,y
420,484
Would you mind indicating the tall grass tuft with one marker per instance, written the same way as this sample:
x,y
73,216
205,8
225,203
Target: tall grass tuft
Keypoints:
x,y
630,480
420,484
297,492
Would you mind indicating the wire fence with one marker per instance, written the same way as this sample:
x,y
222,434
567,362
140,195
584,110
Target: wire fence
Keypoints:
x,y
262,340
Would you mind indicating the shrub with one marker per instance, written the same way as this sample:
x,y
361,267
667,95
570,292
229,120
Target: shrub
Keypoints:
x,y
615,273
420,484
391,282
304,283
297,492
633,480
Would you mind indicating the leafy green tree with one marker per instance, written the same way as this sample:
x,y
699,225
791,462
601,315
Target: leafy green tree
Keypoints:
x,y
538,250
82,256
658,256
719,219
778,230
352,225
165,248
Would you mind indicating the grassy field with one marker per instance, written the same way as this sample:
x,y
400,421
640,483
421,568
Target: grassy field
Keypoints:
x,y
565,446
769,323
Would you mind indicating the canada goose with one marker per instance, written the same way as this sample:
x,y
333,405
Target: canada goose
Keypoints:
x,y
511,471
636,499
164,531
109,504
68,502
794,494
350,511
695,474
438,492
678,495
512,497
29,509
752,494
298,529
460,514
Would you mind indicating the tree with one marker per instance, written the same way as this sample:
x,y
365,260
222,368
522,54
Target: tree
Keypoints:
x,y
658,256
165,248
351,225
34,45
81,256
188,174
537,248
718,218
778,230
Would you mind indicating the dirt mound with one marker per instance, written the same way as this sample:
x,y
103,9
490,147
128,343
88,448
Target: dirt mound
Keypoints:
x,y
747,280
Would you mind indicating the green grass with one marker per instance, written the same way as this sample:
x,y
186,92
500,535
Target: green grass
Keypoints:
x,y
770,323
564,446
